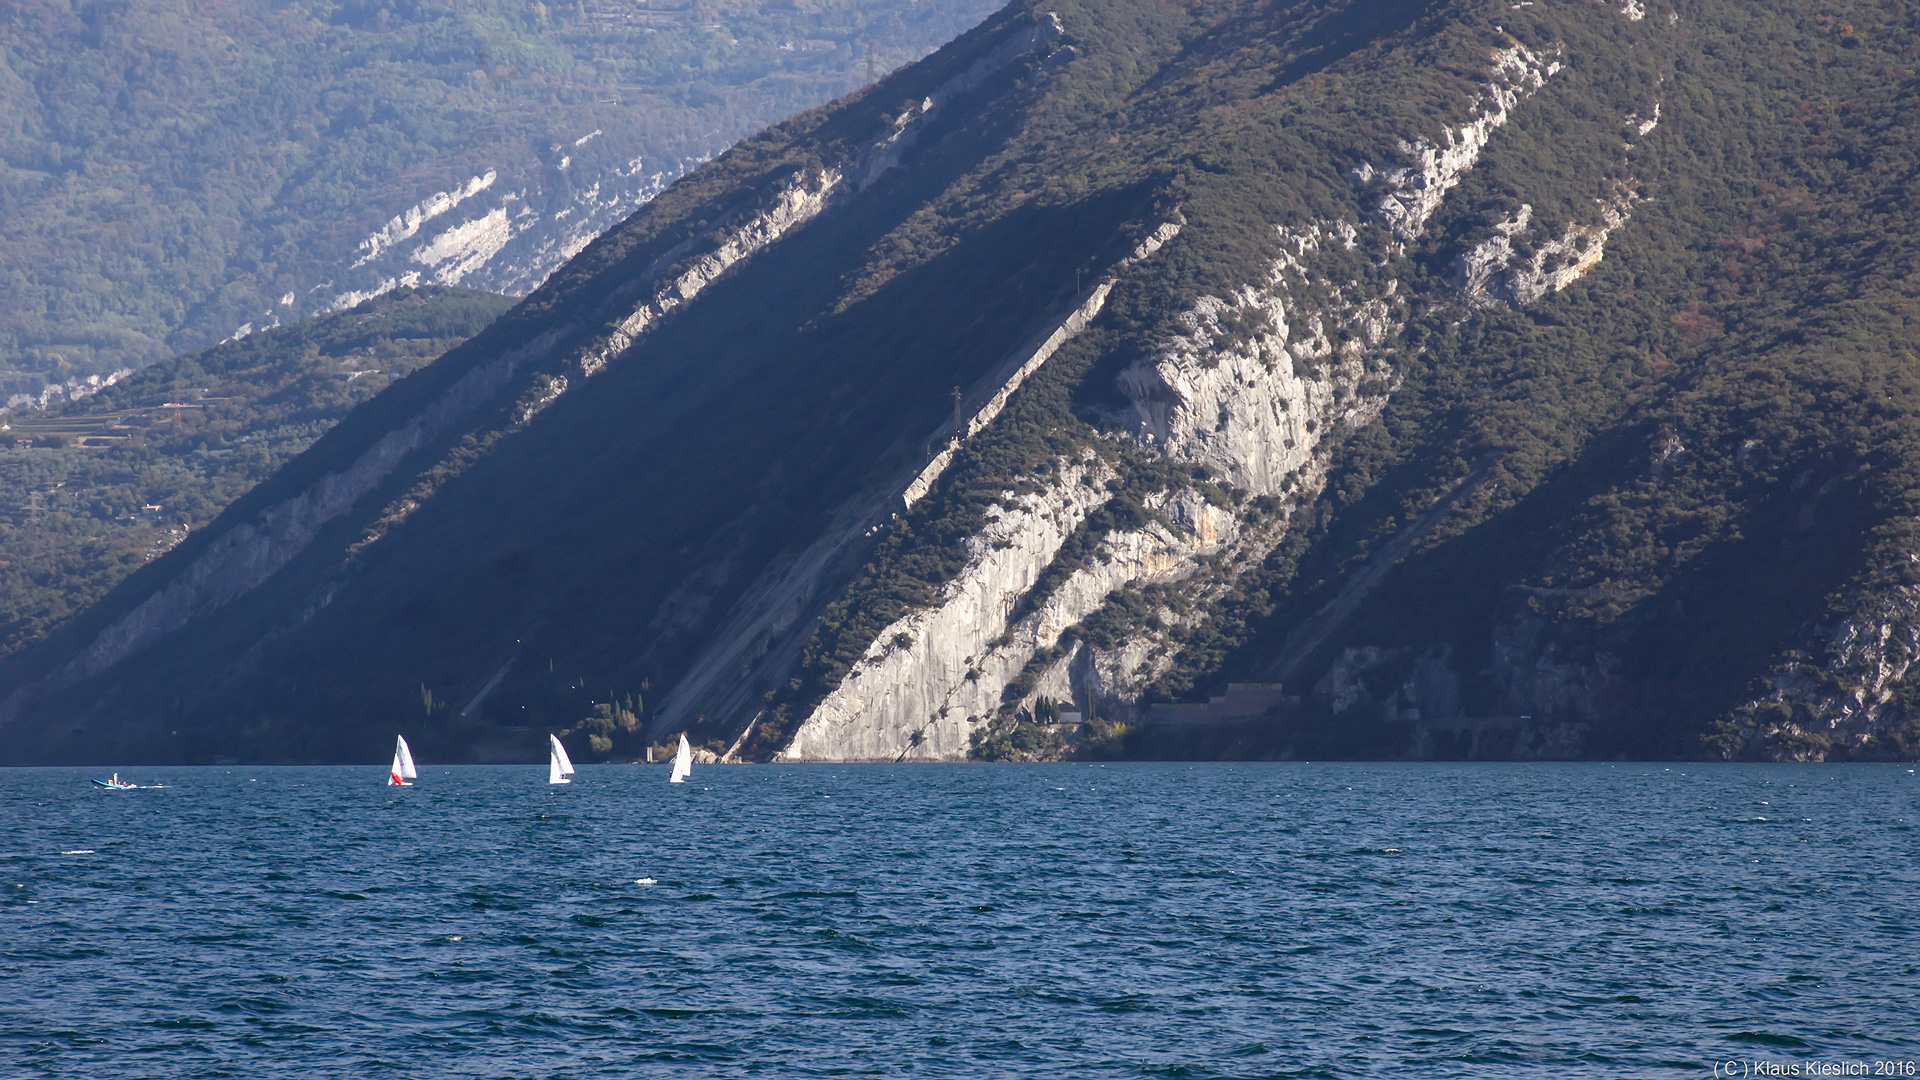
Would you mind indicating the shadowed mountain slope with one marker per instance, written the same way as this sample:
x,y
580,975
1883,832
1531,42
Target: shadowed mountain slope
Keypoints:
x,y
1447,362
105,484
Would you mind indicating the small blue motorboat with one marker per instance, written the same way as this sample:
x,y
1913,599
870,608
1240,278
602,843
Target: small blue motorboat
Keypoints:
x,y
116,783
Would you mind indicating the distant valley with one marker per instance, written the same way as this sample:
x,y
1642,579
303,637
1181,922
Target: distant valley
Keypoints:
x,y
175,176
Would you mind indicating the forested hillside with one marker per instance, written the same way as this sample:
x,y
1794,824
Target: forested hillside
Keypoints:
x,y
1450,378
94,489
173,173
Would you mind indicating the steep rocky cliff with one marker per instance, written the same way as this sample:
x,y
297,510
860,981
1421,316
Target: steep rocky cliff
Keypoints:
x,y
1503,379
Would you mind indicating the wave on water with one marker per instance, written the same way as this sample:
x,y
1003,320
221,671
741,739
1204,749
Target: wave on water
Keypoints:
x,y
960,922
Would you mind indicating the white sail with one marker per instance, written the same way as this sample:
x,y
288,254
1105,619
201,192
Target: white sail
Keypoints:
x,y
560,751
682,762
405,757
557,764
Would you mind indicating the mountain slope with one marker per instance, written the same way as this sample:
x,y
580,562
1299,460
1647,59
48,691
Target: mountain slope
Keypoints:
x,y
1528,375
107,483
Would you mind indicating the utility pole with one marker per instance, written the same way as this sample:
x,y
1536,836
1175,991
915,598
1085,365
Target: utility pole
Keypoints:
x,y
958,431
871,76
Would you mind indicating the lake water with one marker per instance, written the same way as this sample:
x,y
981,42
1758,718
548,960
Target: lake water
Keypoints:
x,y
969,921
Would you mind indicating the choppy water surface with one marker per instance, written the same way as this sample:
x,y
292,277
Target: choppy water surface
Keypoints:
x,y
1211,920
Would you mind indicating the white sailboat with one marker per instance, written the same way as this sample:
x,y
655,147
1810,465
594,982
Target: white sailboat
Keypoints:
x,y
682,762
402,769
559,765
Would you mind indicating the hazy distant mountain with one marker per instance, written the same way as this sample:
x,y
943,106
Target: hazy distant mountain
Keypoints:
x,y
1531,379
174,174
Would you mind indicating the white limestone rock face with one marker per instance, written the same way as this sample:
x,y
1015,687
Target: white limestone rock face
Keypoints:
x,y
1255,409
1488,274
760,629
1108,679
1415,191
1244,409
1156,554
1559,263
1478,271
406,224
912,693
502,236
461,250
933,677
1845,698
71,390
